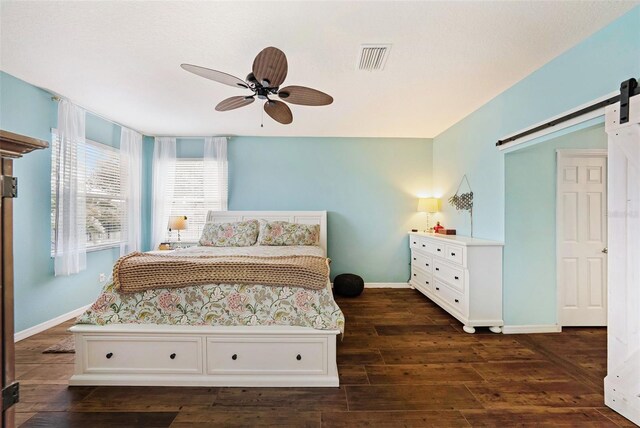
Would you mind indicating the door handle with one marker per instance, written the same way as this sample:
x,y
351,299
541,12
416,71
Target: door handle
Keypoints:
x,y
605,250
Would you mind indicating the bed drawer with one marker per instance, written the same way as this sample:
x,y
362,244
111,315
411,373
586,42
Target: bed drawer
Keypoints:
x,y
133,354
254,355
421,261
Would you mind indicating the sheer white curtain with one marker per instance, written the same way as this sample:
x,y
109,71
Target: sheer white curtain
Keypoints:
x,y
70,246
215,173
131,184
164,166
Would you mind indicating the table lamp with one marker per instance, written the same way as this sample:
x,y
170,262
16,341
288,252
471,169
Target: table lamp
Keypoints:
x,y
429,206
178,222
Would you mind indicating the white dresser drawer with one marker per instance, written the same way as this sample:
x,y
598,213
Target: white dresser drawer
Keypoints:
x,y
133,354
425,245
454,254
449,274
439,249
414,242
421,280
253,356
452,297
421,261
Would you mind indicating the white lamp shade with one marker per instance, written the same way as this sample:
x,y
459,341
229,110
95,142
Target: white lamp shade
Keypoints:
x,y
428,205
178,222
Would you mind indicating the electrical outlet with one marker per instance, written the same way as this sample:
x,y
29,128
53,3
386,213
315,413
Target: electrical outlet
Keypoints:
x,y
102,277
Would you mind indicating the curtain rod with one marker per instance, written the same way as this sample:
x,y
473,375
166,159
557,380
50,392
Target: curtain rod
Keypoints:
x,y
628,88
57,98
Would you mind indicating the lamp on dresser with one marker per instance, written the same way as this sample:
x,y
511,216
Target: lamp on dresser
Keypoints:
x,y
429,206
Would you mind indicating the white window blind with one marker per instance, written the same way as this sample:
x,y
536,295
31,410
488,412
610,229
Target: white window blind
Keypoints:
x,y
192,198
105,204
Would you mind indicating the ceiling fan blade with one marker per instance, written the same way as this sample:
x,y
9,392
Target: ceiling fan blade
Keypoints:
x,y
215,75
234,102
270,65
278,111
304,96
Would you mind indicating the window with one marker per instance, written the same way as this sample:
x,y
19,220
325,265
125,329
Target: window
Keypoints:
x,y
192,197
105,204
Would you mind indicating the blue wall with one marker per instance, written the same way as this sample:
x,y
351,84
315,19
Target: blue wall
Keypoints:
x,y
530,226
368,186
591,69
587,71
39,296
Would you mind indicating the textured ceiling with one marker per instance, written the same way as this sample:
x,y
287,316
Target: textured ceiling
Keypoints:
x,y
121,59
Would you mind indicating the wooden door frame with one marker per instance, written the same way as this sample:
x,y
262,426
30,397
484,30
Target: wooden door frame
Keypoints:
x,y
560,154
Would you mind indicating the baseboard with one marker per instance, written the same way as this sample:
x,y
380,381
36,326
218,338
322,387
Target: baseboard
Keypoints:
x,y
529,329
21,335
386,285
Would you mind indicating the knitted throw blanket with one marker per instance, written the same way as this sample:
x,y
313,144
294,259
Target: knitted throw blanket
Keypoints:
x,y
140,271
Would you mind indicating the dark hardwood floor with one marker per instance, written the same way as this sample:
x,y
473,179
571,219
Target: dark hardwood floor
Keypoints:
x,y
403,362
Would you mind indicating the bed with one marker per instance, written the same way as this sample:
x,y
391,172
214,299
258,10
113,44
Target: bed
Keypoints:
x,y
215,334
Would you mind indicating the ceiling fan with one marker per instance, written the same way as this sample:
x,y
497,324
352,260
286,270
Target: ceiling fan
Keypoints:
x,y
268,72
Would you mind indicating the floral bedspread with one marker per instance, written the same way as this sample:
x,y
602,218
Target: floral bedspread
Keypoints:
x,y
219,304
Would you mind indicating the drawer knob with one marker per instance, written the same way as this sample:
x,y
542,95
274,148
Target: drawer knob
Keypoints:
x,y
439,249
414,274
414,258
234,357
457,301
423,245
453,254
437,269
427,264
109,355
172,356
298,357
437,288
456,277
426,282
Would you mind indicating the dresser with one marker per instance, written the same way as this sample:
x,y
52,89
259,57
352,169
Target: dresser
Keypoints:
x,y
460,274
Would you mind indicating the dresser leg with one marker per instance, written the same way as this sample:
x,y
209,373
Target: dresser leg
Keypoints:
x,y
468,329
496,329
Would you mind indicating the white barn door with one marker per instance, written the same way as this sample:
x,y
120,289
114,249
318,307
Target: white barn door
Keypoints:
x,y
622,384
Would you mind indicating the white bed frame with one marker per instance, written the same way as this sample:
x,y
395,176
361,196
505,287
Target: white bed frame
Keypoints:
x,y
141,354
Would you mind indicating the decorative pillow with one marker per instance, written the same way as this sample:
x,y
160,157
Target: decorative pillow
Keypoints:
x,y
285,233
238,234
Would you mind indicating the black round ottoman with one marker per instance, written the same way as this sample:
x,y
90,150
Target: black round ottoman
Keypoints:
x,y
348,285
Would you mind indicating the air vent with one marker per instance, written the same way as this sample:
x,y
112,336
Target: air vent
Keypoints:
x,y
373,57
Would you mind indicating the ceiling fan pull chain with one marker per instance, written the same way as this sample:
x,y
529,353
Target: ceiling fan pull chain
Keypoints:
x,y
262,120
